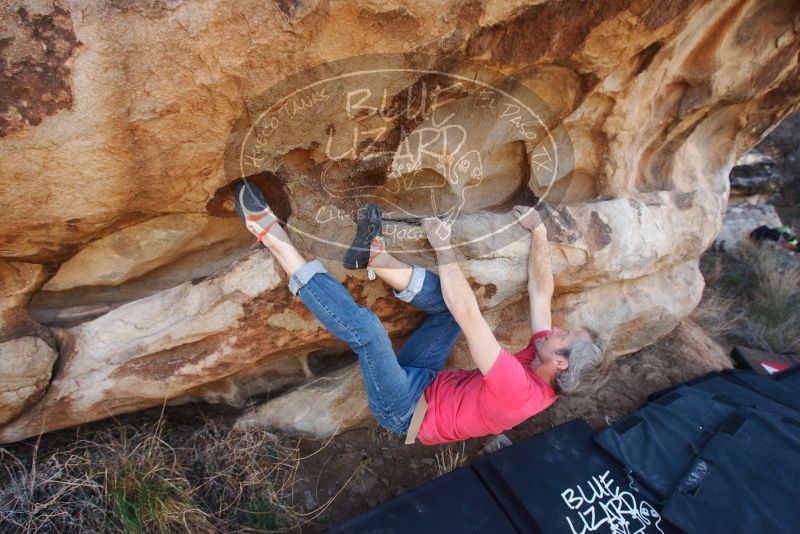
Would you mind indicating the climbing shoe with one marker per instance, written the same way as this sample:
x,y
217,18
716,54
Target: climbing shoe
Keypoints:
x,y
368,227
253,209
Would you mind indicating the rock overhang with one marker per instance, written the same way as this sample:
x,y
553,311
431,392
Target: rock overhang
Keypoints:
x,y
658,103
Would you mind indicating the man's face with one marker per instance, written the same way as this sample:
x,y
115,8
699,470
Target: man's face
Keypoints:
x,y
554,346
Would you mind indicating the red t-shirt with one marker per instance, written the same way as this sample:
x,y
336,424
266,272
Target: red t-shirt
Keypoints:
x,y
465,404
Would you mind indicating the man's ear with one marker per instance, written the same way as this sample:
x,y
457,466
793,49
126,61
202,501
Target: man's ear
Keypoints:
x,y
562,363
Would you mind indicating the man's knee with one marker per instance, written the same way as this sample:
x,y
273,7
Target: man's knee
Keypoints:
x,y
369,330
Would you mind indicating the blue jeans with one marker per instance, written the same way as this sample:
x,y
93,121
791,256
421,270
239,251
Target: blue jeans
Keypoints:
x,y
394,382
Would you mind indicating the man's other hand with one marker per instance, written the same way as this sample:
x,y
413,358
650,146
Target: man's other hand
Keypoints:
x,y
527,217
438,232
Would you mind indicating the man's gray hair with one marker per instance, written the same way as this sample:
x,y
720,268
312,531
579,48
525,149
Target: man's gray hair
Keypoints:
x,y
588,367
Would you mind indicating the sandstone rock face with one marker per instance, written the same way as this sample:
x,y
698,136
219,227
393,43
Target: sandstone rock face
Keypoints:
x,y
137,262
742,219
25,363
27,350
18,282
320,408
754,179
119,239
191,342
140,249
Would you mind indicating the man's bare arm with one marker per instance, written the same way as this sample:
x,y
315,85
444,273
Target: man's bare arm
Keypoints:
x,y
460,299
540,281
540,271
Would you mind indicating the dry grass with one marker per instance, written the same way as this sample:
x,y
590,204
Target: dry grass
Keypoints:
x,y
62,493
752,297
145,488
719,316
775,301
450,458
141,479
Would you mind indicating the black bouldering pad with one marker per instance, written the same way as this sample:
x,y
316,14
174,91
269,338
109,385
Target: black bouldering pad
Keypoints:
x,y
455,502
745,479
783,387
659,441
694,381
728,390
560,481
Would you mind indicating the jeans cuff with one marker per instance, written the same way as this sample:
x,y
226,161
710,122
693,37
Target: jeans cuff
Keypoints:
x,y
414,286
304,274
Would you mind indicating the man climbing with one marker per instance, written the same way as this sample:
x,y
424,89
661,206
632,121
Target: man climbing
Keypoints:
x,y
406,391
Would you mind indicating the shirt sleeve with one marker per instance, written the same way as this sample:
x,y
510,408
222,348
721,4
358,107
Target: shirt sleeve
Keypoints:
x,y
507,381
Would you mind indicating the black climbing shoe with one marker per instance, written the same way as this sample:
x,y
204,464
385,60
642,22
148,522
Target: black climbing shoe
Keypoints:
x,y
368,227
253,209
